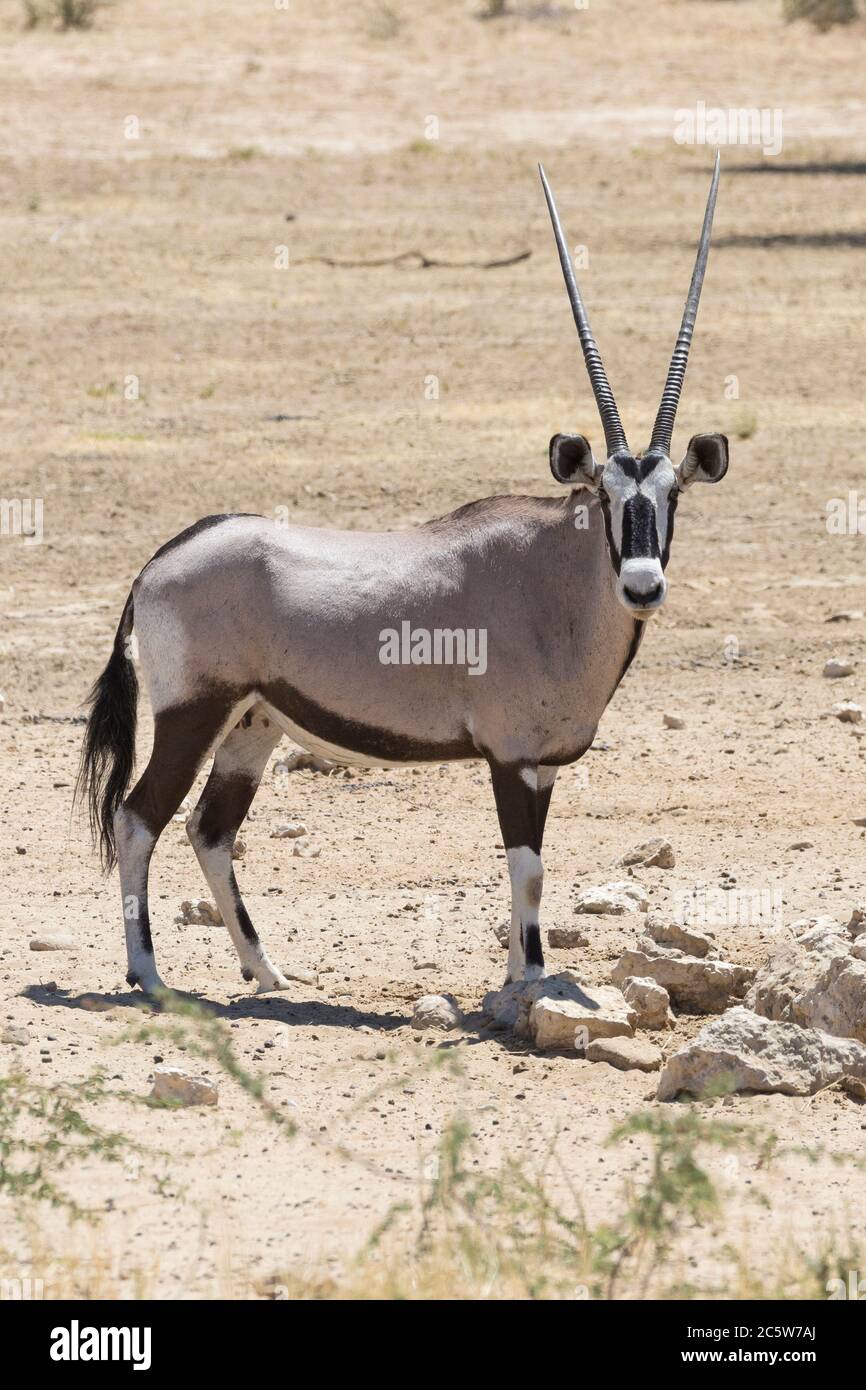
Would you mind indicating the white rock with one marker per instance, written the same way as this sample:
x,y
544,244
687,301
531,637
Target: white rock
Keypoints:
x,y
656,853
439,1011
673,721
566,938
857,924
833,669
2,702
53,941
16,1035
818,980
612,898
177,1086
296,762
651,1002
305,849
695,984
685,939
566,1013
509,1007
626,1054
847,711
199,913
289,830
740,1051
560,1011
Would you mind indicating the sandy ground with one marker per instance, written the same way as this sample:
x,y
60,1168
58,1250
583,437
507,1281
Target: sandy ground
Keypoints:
x,y
146,267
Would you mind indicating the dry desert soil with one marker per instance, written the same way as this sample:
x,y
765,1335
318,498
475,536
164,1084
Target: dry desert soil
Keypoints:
x,y
162,359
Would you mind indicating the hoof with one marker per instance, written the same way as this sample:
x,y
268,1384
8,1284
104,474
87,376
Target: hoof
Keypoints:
x,y
274,982
152,986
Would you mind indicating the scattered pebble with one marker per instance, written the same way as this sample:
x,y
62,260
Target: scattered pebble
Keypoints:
x,y
833,669
53,941
16,1035
180,1088
847,712
565,938
657,853
289,830
199,913
673,721
305,849
626,1054
439,1011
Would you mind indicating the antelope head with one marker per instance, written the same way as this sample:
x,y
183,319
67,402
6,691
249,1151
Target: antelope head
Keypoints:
x,y
638,492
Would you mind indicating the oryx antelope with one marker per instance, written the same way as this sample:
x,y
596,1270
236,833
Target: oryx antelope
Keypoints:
x,y
248,630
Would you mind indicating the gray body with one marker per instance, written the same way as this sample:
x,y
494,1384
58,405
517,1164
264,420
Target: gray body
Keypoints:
x,y
295,616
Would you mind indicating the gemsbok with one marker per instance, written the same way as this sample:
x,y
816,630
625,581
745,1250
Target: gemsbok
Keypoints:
x,y
248,630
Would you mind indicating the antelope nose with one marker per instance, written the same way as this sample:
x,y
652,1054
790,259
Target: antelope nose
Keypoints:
x,y
642,598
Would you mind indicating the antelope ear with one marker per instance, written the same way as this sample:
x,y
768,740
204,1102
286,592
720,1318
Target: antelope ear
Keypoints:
x,y
706,460
571,461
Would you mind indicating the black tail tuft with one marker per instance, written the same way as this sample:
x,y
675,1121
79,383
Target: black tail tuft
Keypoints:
x,y
108,755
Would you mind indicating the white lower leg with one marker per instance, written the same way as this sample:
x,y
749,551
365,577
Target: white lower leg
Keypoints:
x,y
527,878
216,865
134,847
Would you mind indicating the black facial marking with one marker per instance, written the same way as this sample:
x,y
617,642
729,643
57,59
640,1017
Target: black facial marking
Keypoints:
x,y
672,506
639,534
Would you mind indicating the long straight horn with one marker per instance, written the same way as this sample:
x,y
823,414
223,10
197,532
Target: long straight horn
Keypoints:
x,y
614,433
667,413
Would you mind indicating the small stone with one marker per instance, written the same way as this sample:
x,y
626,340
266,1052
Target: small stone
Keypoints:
x,y
847,712
15,1035
296,762
199,913
289,830
305,849
239,849
847,615
685,939
673,721
626,1054
502,932
566,938
2,702
857,924
178,1087
651,1002
854,1086
801,844
612,898
657,853
53,941
437,1011
833,669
